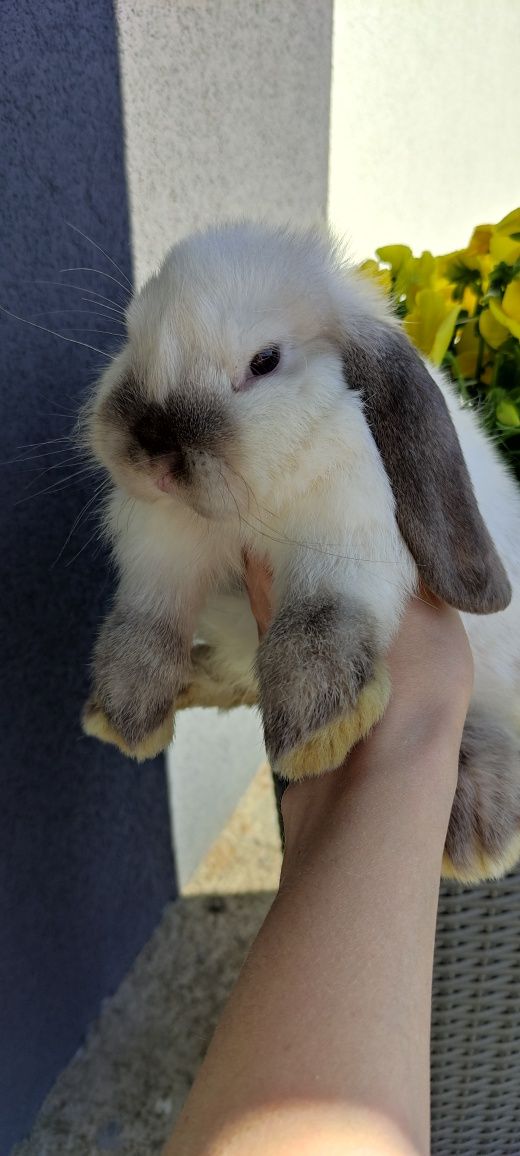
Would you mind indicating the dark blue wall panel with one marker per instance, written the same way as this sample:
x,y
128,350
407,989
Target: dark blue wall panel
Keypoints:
x,y
85,861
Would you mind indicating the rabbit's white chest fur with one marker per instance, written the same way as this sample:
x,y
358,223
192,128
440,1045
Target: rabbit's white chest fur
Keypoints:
x,y
325,516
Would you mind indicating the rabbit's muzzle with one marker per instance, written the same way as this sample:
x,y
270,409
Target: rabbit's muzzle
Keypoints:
x,y
182,441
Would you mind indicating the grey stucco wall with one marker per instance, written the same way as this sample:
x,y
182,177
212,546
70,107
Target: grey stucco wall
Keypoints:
x,y
85,858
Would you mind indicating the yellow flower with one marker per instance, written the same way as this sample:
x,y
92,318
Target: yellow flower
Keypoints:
x,y
382,277
497,241
469,300
431,323
508,312
441,296
446,263
509,224
504,248
415,274
486,374
481,262
492,331
442,286
395,256
466,349
480,239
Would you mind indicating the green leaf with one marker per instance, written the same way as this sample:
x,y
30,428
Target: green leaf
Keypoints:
x,y
507,414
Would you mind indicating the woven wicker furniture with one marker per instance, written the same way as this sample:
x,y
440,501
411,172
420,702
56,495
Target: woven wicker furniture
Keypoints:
x,y
475,1053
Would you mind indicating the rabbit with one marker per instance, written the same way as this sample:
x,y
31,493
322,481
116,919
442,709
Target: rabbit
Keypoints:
x,y
268,400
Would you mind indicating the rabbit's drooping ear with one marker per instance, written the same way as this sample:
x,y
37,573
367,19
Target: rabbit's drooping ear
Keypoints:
x,y
436,509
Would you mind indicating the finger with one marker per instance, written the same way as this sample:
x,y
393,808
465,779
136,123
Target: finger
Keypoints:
x,y
426,595
259,578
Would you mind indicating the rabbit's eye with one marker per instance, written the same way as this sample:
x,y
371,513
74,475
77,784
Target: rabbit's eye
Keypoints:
x,y
265,361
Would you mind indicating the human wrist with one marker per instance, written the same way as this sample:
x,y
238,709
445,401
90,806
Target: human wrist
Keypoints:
x,y
416,727
411,762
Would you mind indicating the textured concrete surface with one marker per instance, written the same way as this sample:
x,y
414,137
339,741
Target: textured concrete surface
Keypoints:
x,y
425,107
210,764
124,1090
226,107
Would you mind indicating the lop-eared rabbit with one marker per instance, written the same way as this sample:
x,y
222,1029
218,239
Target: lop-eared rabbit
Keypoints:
x,y
266,400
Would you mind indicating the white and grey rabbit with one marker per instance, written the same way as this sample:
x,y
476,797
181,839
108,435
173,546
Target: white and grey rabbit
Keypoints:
x,y
266,400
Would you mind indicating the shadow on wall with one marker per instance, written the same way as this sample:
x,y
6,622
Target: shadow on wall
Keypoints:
x,y
85,858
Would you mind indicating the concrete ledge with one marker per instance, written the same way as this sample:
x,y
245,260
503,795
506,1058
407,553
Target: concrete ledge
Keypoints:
x,y
210,765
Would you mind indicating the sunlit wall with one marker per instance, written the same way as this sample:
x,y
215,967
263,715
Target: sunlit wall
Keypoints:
x,y
425,126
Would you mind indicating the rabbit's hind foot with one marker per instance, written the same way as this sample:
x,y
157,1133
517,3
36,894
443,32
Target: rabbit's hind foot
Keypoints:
x,y
483,840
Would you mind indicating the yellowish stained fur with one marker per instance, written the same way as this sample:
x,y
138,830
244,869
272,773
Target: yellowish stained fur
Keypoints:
x,y
331,744
484,866
216,694
327,748
96,724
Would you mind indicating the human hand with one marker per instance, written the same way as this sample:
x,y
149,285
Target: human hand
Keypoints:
x,y
430,660
324,1044
431,668
259,582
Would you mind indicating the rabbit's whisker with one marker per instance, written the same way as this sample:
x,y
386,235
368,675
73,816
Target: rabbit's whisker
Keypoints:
x,y
100,250
89,312
57,466
59,485
88,329
37,457
54,333
113,311
96,534
80,517
90,269
49,442
96,297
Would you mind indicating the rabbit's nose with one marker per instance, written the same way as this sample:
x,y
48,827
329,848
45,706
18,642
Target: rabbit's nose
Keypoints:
x,y
156,436
167,480
164,450
170,469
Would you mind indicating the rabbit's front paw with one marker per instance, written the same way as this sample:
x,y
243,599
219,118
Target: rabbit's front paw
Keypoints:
x,y
322,685
483,840
327,748
97,724
138,671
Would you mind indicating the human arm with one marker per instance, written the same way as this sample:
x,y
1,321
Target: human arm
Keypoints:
x,y
324,1045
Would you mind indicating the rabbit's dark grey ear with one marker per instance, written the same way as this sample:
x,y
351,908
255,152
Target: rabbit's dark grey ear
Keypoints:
x,y
436,509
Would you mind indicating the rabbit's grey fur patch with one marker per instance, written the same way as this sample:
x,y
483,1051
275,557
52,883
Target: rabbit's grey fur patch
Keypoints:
x,y
317,656
485,819
140,664
436,509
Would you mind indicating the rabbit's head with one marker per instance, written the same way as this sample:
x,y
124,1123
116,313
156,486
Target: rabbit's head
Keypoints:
x,y
231,360
239,352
